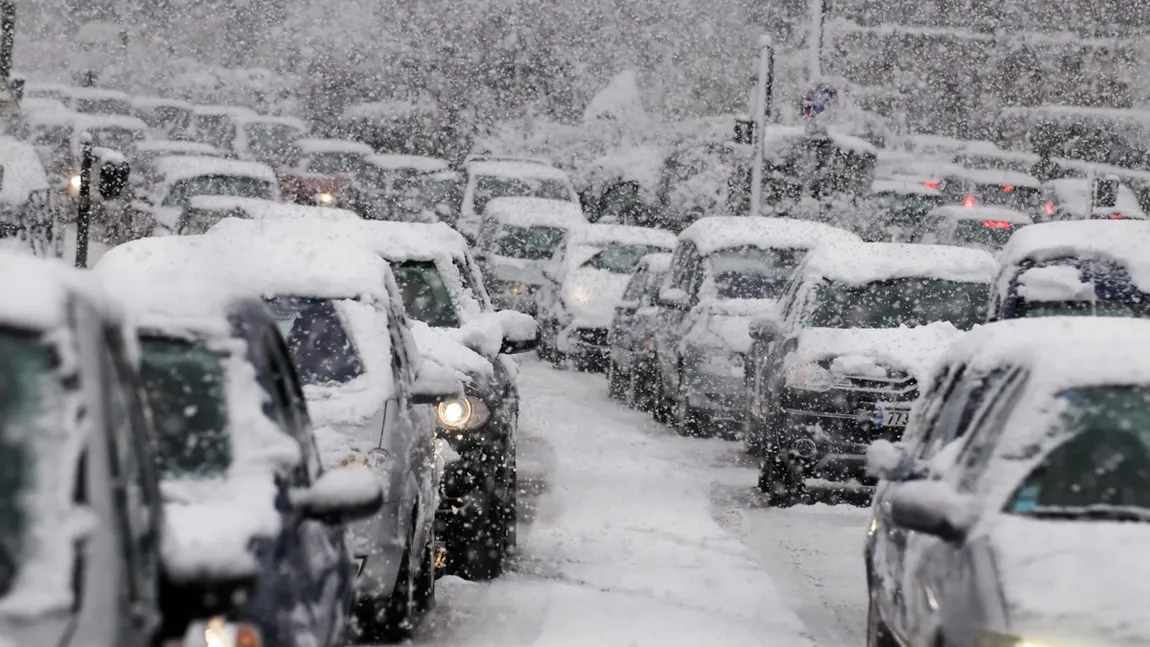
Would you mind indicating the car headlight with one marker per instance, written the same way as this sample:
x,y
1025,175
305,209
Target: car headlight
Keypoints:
x,y
580,295
811,377
74,182
460,414
513,287
218,632
324,198
1002,640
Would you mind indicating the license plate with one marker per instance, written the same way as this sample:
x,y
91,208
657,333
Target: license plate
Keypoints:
x,y
359,563
891,417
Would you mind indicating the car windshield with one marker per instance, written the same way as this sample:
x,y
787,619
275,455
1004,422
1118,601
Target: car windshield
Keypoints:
x,y
1102,468
51,135
239,186
989,234
163,116
216,130
273,144
620,259
118,139
102,106
904,209
29,399
425,295
317,340
751,272
528,243
186,390
489,187
336,163
899,302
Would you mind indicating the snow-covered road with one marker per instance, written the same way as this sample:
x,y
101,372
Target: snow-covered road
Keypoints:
x,y
635,536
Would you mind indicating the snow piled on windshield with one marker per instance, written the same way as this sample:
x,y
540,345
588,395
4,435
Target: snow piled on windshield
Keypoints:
x,y
869,262
1120,241
914,350
1055,283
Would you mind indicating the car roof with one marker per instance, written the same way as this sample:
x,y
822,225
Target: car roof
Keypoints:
x,y
908,185
178,167
997,176
36,291
164,145
1123,241
724,232
517,169
254,118
535,212
257,209
315,146
860,263
233,111
390,161
1002,214
600,234
154,102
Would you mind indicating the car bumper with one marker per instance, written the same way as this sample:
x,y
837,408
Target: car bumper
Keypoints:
x,y
584,342
377,551
723,397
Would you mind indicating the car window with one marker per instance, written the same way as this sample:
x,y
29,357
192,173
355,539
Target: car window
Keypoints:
x,y
528,243
988,424
489,187
239,186
891,303
960,405
286,390
751,272
634,288
425,294
319,345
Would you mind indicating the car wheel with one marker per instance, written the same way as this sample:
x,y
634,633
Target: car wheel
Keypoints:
x,y
776,479
617,384
481,556
661,405
689,421
877,633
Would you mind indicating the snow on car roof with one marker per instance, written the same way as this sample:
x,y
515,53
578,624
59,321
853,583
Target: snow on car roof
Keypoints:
x,y
1003,214
1074,193
34,105
907,185
517,169
98,93
723,232
866,262
997,176
156,102
279,120
599,234
257,209
1121,241
35,290
174,168
658,263
393,161
315,146
177,146
639,164
232,111
535,212
31,89
395,241
23,171
84,121
915,350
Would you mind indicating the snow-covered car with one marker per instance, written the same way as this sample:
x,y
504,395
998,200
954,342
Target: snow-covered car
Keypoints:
x,y
205,211
162,115
389,187
1069,199
213,125
58,91
585,280
726,270
631,369
235,440
1084,268
993,188
859,330
986,228
99,101
369,391
897,208
454,326
268,139
487,180
516,240
24,191
178,179
324,170
148,151
56,136
1028,528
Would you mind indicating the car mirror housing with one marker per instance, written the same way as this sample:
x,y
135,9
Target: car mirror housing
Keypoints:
x,y
516,346
765,329
674,298
932,508
889,461
434,385
340,495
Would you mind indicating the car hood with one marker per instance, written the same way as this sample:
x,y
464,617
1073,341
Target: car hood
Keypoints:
x,y
915,350
1073,580
506,268
591,296
730,320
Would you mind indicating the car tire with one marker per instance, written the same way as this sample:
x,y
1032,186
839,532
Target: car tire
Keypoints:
x,y
688,420
776,480
618,385
661,406
877,633
398,616
481,557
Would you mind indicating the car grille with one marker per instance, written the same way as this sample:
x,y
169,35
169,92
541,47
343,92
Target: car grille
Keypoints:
x,y
592,336
860,399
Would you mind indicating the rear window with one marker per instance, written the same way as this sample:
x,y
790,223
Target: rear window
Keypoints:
x,y
529,243
1021,198
620,259
893,303
988,234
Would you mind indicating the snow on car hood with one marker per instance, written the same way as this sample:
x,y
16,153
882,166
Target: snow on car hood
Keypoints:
x,y
1071,580
915,350
730,320
591,295
506,268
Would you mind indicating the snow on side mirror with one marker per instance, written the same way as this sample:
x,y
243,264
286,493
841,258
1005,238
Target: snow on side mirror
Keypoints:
x,y
435,384
765,329
674,298
888,461
932,508
340,495
520,332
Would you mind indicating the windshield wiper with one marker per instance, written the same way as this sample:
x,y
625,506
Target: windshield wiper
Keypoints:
x,y
1092,513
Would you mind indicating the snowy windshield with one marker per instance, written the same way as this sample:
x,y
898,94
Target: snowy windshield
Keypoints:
x,y
118,139
489,187
273,144
620,259
425,296
320,345
164,116
185,387
29,402
51,135
237,186
751,272
215,130
529,243
103,106
1102,471
336,163
991,235
899,302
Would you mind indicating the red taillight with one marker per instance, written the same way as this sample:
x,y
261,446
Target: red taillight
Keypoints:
x,y
1050,208
1117,216
996,224
930,184
1008,187
968,201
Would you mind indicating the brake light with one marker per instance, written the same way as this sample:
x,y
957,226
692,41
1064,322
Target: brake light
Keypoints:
x,y
968,201
996,224
1050,208
1117,216
1008,187
930,184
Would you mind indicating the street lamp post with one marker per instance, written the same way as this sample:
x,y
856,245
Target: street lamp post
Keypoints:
x,y
762,108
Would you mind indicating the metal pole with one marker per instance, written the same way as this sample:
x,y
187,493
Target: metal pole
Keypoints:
x,y
84,212
762,106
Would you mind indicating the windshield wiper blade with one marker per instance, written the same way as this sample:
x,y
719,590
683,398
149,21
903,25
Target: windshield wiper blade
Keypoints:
x,y
1095,512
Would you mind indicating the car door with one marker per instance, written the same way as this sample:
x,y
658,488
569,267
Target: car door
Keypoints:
x,y
622,332
675,322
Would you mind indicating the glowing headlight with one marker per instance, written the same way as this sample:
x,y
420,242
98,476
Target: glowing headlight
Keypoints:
x,y
581,295
513,287
324,198
218,632
74,182
462,413
810,377
1000,640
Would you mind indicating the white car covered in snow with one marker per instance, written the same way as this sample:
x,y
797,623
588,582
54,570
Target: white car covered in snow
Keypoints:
x,y
205,211
517,239
726,270
985,228
1070,199
489,179
56,136
585,281
861,326
1018,497
179,179
213,125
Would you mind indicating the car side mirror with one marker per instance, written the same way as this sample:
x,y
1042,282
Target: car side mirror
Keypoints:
x,y
514,347
520,332
765,329
674,298
340,495
933,508
434,384
889,461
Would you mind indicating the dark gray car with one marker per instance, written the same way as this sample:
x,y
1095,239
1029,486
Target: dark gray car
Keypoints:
x,y
631,369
